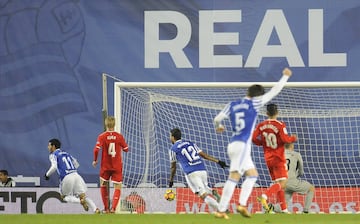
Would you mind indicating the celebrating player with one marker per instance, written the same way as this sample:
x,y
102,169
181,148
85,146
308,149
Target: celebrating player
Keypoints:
x,y
243,114
112,144
189,155
295,167
271,134
72,185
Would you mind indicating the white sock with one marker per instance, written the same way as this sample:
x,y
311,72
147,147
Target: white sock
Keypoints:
x,y
91,204
246,189
227,193
264,196
211,202
72,199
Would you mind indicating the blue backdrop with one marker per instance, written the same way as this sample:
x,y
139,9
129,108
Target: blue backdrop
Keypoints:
x,y
52,54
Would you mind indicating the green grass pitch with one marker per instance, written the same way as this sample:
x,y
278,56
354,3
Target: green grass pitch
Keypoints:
x,y
182,219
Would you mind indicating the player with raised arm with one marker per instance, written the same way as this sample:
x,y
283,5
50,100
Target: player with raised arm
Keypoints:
x,y
271,134
243,115
72,185
295,167
112,144
189,155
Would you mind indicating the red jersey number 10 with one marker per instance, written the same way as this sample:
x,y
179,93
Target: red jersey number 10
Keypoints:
x,y
271,140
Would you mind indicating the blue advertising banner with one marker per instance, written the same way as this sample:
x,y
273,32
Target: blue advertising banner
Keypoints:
x,y
52,55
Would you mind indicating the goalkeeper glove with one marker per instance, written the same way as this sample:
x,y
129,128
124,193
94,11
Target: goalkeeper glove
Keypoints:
x,y
222,164
171,183
46,177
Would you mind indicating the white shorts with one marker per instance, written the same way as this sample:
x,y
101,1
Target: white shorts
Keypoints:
x,y
198,182
240,157
72,184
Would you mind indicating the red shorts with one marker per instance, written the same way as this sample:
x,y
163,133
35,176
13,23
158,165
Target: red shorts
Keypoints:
x,y
114,175
277,169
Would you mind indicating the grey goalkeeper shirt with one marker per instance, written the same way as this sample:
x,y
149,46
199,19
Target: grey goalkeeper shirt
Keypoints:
x,y
294,163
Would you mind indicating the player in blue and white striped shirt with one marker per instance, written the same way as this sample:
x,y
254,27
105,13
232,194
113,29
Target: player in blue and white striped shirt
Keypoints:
x,y
243,115
189,155
72,185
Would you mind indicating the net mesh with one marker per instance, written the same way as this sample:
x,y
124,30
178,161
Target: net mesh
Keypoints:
x,y
326,121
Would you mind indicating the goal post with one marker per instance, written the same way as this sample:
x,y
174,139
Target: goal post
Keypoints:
x,y
324,115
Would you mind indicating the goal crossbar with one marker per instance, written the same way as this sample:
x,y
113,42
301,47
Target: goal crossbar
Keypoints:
x,y
232,84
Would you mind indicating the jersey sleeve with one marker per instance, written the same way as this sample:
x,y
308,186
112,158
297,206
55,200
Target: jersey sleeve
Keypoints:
x,y
256,138
285,137
75,162
224,113
123,144
300,164
275,90
97,147
197,149
53,166
172,156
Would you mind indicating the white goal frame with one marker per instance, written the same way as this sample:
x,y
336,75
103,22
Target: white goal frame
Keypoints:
x,y
352,112
119,85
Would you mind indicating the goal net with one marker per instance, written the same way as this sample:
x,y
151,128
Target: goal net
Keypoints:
x,y
325,117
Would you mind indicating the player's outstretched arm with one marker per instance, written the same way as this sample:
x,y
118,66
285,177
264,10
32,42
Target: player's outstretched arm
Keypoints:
x,y
210,158
256,138
275,90
222,164
287,138
219,117
287,72
172,173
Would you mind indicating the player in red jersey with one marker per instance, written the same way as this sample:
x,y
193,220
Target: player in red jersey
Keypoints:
x,y
112,144
272,135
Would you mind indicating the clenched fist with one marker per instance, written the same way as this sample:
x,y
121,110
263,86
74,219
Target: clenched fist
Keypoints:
x,y
287,72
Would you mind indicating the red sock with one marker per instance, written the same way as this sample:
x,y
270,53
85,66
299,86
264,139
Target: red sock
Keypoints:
x,y
281,199
273,189
116,198
105,196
